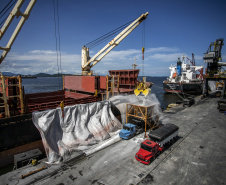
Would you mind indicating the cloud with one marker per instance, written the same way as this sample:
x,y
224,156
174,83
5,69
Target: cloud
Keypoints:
x,y
162,49
42,56
122,55
164,57
156,61
37,61
47,52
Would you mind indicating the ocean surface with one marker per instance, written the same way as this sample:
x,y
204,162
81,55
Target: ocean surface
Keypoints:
x,y
42,84
48,84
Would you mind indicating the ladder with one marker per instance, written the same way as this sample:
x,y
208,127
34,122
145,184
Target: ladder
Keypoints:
x,y
112,85
6,97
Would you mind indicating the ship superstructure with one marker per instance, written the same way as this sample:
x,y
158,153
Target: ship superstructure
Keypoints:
x,y
184,77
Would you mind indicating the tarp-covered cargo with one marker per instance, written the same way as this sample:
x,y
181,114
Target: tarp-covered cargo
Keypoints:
x,y
85,127
82,126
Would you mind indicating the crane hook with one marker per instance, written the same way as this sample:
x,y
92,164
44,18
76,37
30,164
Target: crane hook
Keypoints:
x,y
143,53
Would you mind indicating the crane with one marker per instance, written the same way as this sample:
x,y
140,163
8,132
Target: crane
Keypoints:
x,y
88,62
213,57
15,12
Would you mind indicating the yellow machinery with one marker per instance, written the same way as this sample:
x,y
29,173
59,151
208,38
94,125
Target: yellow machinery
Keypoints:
x,y
34,162
219,85
142,88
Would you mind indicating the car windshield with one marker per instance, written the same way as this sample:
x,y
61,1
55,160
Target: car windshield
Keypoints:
x,y
146,147
126,128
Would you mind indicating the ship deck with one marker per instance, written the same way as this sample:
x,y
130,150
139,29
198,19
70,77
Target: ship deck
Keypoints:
x,y
197,157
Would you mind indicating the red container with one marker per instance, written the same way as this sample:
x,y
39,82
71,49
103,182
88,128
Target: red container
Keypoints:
x,y
127,78
80,83
103,82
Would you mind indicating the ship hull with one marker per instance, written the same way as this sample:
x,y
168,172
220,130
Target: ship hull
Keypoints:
x,y
190,88
18,133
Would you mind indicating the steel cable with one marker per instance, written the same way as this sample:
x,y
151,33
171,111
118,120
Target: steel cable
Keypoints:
x,y
58,24
143,45
54,11
104,39
106,36
3,22
3,13
4,9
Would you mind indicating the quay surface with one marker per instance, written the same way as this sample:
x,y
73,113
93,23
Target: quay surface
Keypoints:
x,y
197,157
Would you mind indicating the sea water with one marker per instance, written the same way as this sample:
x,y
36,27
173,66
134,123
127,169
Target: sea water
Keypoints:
x,y
48,84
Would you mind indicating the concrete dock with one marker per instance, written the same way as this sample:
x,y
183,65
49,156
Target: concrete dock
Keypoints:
x,y
197,157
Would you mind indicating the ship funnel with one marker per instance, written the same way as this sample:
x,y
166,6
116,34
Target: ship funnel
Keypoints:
x,y
179,67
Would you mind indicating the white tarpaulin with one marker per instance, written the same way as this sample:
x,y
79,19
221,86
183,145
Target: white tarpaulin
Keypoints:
x,y
85,127
120,102
82,126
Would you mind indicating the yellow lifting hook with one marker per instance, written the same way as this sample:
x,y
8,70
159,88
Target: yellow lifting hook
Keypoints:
x,y
143,53
62,108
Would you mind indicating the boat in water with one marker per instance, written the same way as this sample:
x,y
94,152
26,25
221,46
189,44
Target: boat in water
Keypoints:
x,y
184,77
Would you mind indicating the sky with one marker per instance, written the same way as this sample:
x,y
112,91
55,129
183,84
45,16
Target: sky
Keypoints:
x,y
173,28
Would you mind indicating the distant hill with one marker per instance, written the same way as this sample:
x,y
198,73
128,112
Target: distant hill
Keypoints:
x,y
49,75
37,75
9,74
56,75
42,75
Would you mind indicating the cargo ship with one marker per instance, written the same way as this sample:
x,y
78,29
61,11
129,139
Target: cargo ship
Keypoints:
x,y
184,78
18,133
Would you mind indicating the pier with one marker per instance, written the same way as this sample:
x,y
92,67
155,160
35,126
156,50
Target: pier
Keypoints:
x,y
197,157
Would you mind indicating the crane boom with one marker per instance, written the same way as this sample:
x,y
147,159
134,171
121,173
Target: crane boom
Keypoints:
x,y
15,12
88,63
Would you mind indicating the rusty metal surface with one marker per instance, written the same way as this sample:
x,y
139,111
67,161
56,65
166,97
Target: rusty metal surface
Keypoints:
x,y
42,101
16,131
52,100
7,155
80,83
127,78
10,90
84,100
75,95
103,82
44,96
72,98
14,120
122,90
125,73
72,82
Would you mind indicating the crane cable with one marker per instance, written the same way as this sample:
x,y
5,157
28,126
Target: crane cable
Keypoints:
x,y
106,36
57,37
5,10
6,7
58,23
143,46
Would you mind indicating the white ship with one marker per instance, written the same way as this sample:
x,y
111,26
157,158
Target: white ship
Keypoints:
x,y
184,77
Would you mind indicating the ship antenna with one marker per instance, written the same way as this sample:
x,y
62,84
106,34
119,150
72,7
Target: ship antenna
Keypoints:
x,y
183,57
135,64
